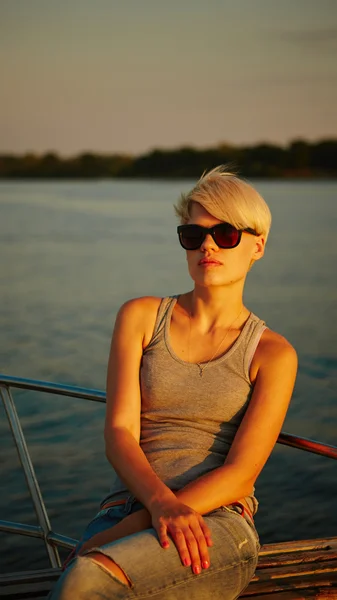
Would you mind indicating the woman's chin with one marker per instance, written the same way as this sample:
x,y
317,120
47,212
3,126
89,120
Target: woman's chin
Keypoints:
x,y
209,280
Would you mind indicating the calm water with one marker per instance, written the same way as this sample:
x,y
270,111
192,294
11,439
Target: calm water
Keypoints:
x,y
71,254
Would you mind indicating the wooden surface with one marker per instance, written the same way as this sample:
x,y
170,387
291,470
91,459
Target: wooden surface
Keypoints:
x,y
295,570
30,584
288,571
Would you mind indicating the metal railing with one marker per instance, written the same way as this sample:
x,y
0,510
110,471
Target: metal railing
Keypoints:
x,y
51,539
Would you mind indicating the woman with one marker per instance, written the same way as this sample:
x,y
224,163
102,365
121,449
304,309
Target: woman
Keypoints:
x,y
197,391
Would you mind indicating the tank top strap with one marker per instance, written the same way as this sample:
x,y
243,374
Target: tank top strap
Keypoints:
x,y
253,336
159,326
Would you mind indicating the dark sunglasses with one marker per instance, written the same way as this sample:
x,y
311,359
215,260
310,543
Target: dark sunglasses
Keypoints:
x,y
225,235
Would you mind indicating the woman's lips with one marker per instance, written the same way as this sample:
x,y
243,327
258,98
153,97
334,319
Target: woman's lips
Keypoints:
x,y
209,262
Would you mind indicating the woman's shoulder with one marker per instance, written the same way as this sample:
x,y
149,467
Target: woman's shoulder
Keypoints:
x,y
273,351
140,307
274,345
142,302
139,315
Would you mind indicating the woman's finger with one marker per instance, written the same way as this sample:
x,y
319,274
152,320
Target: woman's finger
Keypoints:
x,y
188,548
202,547
196,556
179,540
207,532
190,535
163,537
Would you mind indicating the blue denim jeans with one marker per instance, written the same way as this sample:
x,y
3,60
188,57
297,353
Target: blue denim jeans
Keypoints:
x,y
158,573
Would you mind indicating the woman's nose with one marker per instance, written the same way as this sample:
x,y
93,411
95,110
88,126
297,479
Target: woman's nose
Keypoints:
x,y
209,244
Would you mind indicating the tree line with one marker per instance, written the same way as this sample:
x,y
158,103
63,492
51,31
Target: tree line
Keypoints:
x,y
300,159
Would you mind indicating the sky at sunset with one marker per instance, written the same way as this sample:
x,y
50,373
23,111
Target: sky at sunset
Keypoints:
x,y
127,76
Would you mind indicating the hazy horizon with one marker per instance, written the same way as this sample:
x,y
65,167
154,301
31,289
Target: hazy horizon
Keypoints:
x,y
105,77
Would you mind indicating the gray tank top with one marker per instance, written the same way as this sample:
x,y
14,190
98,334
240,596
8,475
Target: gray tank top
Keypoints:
x,y
188,422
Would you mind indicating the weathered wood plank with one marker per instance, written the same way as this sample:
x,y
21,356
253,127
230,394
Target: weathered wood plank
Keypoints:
x,y
28,585
326,595
298,570
292,558
313,594
305,582
24,590
284,595
299,545
29,576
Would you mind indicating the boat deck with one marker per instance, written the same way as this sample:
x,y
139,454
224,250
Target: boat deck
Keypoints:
x,y
301,570
287,571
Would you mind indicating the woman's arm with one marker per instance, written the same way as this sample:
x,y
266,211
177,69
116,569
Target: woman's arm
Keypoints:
x,y
274,371
133,330
275,365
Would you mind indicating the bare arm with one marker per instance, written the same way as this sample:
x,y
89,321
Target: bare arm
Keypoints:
x,y
256,435
275,364
133,328
132,332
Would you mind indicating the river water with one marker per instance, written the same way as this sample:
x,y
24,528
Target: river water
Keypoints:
x,y
71,254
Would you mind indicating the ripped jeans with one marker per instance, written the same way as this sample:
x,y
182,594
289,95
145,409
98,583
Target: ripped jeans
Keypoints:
x,y
157,573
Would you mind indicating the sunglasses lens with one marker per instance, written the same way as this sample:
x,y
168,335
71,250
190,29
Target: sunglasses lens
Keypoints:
x,y
226,236
191,237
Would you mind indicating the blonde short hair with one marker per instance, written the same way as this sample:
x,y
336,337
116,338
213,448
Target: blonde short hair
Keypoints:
x,y
227,198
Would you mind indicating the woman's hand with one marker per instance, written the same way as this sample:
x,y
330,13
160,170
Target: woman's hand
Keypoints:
x,y
133,523
187,529
184,525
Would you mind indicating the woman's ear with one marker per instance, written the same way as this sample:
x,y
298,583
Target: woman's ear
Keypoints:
x,y
259,247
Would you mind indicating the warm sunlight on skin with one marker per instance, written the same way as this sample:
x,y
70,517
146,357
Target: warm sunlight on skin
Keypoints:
x,y
193,386
230,265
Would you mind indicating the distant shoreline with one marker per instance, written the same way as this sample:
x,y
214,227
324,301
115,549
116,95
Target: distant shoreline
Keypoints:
x,y
153,178
299,160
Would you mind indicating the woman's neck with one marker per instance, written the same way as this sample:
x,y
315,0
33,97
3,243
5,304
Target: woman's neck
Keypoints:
x,y
215,307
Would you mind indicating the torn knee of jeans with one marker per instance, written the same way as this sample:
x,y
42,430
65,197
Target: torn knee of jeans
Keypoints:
x,y
107,564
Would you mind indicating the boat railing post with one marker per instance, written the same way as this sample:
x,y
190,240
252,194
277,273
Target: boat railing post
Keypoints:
x,y
29,472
